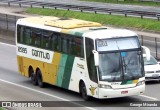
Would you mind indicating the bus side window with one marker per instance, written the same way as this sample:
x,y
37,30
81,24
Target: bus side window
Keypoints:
x,y
82,48
65,43
54,41
20,36
59,44
27,36
76,47
90,59
36,37
46,37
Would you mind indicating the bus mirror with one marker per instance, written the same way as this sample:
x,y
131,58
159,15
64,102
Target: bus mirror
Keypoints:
x,y
146,53
96,57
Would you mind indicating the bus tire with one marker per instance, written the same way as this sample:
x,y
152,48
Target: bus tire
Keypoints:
x,y
40,79
83,91
33,76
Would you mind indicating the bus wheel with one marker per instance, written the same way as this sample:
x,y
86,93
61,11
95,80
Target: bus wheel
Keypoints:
x,y
33,77
40,79
83,91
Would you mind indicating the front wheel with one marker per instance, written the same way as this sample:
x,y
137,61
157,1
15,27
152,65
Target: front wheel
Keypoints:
x,y
83,91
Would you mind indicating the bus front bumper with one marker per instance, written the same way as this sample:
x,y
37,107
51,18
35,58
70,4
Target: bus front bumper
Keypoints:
x,y
112,93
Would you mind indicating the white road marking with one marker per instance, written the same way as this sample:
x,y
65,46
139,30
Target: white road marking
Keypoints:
x,y
152,98
7,44
44,93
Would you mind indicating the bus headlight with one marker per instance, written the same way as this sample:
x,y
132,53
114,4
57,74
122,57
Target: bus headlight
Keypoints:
x,y
140,83
105,86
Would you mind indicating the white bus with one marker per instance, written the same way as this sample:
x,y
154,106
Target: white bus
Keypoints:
x,y
81,56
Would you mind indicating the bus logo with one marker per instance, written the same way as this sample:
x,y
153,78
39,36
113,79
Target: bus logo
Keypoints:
x,y
80,66
92,89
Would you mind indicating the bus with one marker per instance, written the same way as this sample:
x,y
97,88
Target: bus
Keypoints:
x,y
81,56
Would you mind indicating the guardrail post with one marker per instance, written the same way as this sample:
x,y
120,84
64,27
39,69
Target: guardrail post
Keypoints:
x,y
125,14
19,5
141,16
156,46
158,16
43,6
95,12
55,8
15,19
7,20
9,4
31,5
68,9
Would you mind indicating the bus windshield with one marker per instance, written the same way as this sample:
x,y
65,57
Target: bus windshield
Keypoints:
x,y
120,66
119,59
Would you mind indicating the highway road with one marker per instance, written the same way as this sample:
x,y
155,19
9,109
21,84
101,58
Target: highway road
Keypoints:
x,y
14,87
104,5
116,9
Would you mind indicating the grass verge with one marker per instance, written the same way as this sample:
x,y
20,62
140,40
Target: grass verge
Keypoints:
x,y
114,20
1,108
131,2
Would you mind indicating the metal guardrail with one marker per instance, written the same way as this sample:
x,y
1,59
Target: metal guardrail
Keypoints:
x,y
8,22
142,14
153,43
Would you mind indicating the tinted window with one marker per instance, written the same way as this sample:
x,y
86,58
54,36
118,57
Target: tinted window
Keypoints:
x,y
20,32
27,36
54,41
36,37
65,44
46,39
59,44
90,59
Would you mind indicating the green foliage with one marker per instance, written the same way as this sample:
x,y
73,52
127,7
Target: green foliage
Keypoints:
x,y
1,108
115,20
132,2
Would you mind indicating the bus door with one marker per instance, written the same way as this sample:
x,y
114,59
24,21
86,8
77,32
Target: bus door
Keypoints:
x,y
93,85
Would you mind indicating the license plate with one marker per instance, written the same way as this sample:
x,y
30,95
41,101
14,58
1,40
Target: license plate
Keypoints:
x,y
124,92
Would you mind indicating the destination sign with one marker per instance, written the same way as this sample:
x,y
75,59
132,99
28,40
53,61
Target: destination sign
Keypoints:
x,y
102,43
117,44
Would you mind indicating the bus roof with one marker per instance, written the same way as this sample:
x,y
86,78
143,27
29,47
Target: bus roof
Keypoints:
x,y
109,33
63,23
77,27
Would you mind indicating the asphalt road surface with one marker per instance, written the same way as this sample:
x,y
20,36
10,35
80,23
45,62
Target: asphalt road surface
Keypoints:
x,y
105,5
14,87
96,4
